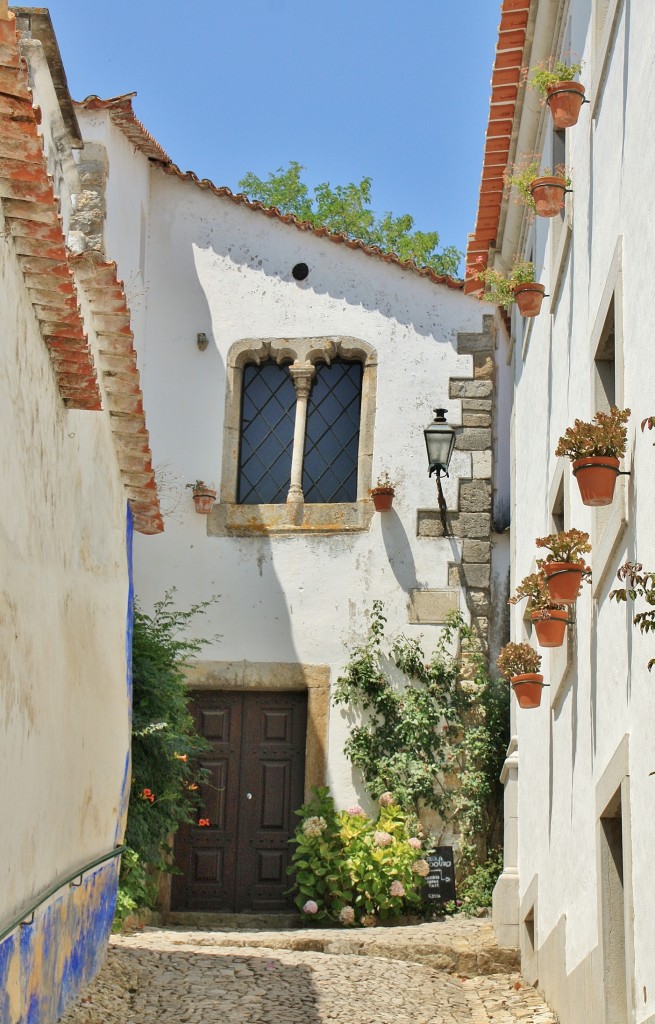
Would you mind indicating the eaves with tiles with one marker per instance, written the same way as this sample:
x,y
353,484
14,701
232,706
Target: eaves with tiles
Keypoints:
x,y
52,277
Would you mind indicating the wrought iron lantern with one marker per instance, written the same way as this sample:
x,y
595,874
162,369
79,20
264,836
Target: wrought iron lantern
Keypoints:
x,y
439,441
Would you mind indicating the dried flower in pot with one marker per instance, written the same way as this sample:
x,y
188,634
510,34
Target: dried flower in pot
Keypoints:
x,y
565,567
554,79
595,450
520,664
550,620
203,497
383,492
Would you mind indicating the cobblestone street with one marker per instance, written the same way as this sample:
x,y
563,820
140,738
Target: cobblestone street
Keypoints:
x,y
449,972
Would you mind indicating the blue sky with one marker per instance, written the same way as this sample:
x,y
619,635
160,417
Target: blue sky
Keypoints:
x,y
398,92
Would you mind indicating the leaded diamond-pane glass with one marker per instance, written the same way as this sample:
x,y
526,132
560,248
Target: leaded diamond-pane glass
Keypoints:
x,y
332,437
268,410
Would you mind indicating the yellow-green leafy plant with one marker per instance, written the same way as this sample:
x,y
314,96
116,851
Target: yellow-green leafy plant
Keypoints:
x,y
565,546
528,170
499,287
549,72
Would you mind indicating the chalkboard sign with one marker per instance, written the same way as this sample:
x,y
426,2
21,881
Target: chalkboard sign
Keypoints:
x,y
440,883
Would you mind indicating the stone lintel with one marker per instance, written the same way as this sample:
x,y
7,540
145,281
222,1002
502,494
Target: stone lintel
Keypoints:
x,y
470,389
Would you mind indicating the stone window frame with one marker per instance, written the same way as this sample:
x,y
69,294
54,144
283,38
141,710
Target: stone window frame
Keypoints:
x,y
228,517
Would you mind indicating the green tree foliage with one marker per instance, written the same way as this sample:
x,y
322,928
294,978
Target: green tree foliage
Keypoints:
x,y
345,209
436,738
164,744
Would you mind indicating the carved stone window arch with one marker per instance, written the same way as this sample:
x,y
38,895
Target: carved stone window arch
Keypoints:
x,y
302,356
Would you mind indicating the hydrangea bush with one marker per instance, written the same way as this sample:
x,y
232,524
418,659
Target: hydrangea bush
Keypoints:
x,y
353,869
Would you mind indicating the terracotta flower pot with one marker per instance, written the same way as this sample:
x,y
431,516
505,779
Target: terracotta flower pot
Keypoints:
x,y
565,100
548,194
528,689
564,580
382,498
528,298
550,631
204,500
596,476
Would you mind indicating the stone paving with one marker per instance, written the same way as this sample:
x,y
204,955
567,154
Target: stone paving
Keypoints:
x,y
447,972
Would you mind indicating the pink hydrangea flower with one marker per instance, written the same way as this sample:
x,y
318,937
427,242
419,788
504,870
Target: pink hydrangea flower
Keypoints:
x,y
310,907
356,811
421,867
347,915
369,920
415,843
397,889
386,799
382,838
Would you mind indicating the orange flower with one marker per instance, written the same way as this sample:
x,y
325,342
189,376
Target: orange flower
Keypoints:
x,y
146,794
203,822
180,757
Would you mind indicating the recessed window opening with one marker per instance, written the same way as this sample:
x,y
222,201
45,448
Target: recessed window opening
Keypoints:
x,y
605,364
557,511
613,912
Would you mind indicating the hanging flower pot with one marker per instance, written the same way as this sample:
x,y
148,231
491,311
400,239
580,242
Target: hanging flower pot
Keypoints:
x,y
565,100
564,580
383,492
382,498
203,497
548,195
550,629
528,298
596,476
528,689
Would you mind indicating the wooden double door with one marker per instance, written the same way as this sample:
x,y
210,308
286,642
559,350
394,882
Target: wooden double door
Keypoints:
x,y
236,857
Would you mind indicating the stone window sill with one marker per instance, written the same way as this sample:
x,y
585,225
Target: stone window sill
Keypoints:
x,y
231,520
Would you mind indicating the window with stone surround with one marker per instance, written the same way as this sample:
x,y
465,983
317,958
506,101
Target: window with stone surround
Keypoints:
x,y
299,432
299,422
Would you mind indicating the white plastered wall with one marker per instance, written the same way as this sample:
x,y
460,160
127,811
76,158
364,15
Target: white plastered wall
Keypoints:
x,y
223,270
565,747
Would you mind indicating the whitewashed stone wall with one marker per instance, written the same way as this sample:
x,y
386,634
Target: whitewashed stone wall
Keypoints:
x,y
587,940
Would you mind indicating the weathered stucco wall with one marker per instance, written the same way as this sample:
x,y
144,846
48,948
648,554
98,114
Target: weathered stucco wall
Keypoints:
x,y
64,699
592,736
224,270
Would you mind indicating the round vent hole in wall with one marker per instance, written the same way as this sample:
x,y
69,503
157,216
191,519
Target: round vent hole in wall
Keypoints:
x,y
300,271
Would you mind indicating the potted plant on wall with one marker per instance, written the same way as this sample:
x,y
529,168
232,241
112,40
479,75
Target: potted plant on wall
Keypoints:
x,y
542,192
595,450
564,566
383,492
549,619
520,287
554,80
520,664
203,497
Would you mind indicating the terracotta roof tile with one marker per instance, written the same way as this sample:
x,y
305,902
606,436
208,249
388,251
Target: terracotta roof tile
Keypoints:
x,y
120,378
121,113
504,81
31,215
32,218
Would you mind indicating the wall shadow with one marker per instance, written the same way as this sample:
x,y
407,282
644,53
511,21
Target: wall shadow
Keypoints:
x,y
197,983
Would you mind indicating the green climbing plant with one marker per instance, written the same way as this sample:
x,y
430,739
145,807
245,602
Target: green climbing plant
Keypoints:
x,y
438,738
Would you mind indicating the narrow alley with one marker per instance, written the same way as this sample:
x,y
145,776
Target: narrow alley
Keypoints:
x,y
449,972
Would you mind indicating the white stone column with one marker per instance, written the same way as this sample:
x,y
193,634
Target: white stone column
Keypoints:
x,y
302,375
505,908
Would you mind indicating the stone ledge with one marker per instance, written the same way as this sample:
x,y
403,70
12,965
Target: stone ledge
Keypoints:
x,y
231,520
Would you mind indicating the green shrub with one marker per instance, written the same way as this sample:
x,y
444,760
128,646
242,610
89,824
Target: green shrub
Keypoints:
x,y
165,778
352,869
